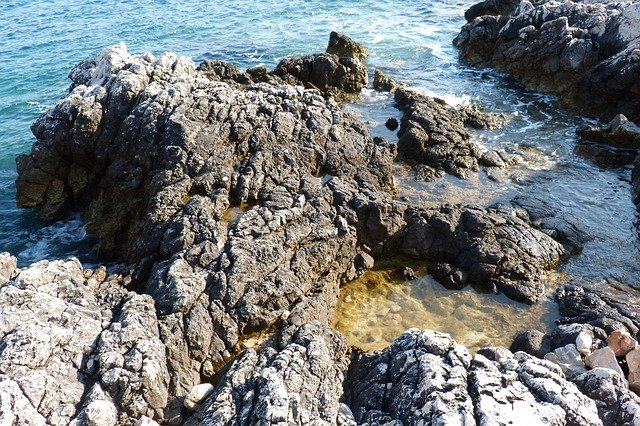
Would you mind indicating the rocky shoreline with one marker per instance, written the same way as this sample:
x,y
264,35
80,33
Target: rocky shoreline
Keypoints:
x,y
236,204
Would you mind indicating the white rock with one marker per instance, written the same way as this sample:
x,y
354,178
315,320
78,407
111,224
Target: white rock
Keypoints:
x,y
197,394
145,421
100,413
584,342
604,358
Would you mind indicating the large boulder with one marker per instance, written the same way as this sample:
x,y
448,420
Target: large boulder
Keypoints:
x,y
494,247
586,52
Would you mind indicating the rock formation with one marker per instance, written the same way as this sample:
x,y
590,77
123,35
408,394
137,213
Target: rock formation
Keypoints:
x,y
586,52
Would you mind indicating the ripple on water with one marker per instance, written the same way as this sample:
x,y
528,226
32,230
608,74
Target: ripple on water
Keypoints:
x,y
376,308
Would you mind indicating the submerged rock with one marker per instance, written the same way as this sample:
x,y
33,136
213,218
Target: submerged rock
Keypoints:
x,y
587,52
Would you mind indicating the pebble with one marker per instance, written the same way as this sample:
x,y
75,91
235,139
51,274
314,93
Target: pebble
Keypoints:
x,y
584,342
197,394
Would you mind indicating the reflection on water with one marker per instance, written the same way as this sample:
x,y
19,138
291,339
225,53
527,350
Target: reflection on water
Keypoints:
x,y
376,308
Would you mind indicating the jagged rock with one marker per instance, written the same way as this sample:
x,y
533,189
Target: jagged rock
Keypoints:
x,y
562,228
606,305
434,134
344,46
507,388
54,335
493,247
299,382
569,360
616,404
587,52
420,378
621,342
614,144
425,377
327,72
383,83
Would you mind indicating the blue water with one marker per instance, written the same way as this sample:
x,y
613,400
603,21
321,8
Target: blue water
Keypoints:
x,y
41,40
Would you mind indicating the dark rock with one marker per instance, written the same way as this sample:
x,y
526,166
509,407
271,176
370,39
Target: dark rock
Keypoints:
x,y
546,217
450,277
344,46
584,51
434,134
155,153
383,83
494,247
613,145
391,124
427,174
326,72
607,305
532,342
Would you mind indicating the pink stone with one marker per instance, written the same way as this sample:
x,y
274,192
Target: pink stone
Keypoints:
x,y
604,358
621,342
634,382
633,360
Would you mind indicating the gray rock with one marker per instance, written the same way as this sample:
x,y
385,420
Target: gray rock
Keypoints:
x,y
297,383
434,134
507,388
584,51
493,247
420,378
569,360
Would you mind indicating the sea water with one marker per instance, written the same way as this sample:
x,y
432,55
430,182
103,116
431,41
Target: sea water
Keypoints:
x,y
412,41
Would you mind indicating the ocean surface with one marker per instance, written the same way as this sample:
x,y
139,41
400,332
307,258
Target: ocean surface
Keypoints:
x,y
41,40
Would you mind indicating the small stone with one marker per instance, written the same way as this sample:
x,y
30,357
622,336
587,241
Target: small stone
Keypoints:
x,y
621,342
569,360
395,308
604,358
391,124
363,262
584,342
409,273
348,299
197,394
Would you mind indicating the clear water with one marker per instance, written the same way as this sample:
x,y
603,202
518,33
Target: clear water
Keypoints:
x,y
41,40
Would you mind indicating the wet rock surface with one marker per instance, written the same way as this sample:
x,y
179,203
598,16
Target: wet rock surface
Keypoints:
x,y
613,144
587,52
433,134
493,247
